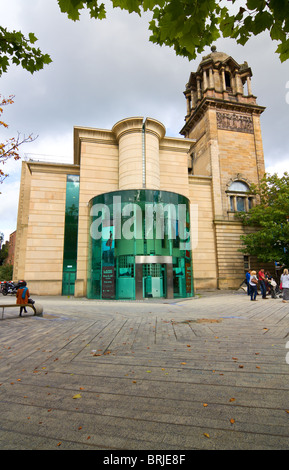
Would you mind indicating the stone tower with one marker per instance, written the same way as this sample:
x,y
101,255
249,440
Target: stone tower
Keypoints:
x,y
224,119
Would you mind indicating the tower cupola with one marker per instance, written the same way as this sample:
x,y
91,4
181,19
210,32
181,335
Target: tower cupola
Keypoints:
x,y
220,77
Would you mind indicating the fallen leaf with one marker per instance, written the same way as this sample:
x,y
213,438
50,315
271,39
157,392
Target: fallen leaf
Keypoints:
x,y
232,399
232,421
59,444
205,404
206,434
77,396
183,362
241,367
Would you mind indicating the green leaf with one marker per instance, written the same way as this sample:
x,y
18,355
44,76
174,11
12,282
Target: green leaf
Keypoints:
x,y
283,50
256,4
32,38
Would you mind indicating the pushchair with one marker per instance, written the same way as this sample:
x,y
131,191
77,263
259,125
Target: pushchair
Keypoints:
x,y
273,288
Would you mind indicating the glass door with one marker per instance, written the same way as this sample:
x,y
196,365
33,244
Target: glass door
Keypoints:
x,y
153,280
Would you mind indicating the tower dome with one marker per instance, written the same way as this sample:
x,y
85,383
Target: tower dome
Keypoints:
x,y
218,77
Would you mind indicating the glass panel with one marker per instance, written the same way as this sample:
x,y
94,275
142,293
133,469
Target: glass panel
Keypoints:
x,y
70,234
239,186
240,203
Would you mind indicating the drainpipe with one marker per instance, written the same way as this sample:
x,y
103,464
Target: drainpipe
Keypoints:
x,y
143,155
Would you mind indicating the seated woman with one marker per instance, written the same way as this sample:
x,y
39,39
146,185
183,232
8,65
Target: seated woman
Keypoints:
x,y
22,296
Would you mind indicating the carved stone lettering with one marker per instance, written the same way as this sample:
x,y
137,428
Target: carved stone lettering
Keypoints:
x,y
235,122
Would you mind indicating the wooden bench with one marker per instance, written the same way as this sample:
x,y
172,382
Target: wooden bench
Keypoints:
x,y
37,309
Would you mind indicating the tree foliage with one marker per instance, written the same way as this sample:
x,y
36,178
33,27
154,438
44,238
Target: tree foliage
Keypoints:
x,y
190,25
15,48
6,272
271,218
10,148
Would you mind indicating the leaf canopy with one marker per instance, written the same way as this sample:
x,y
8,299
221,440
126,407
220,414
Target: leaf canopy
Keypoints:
x,y
190,25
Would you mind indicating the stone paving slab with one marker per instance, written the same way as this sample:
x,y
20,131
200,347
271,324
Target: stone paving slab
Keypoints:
x,y
208,373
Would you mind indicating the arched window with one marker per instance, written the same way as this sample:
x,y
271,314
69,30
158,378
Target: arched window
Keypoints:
x,y
239,198
239,186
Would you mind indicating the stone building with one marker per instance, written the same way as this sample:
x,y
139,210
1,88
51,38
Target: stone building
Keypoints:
x,y
140,214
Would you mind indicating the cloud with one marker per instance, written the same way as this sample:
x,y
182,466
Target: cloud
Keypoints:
x,y
8,208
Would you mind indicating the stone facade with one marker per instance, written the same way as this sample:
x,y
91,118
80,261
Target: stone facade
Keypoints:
x,y
221,145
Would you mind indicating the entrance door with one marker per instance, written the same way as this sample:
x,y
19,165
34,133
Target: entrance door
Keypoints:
x,y
154,284
68,282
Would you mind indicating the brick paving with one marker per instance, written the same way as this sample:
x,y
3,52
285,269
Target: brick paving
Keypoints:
x,y
207,373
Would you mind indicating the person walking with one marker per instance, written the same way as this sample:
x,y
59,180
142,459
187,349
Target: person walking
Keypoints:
x,y
22,296
248,275
285,285
261,277
253,285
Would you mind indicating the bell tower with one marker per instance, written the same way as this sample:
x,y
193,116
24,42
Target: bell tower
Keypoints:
x,y
224,118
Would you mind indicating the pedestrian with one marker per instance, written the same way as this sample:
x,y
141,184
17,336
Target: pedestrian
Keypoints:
x,y
272,286
248,275
253,285
285,285
22,296
263,288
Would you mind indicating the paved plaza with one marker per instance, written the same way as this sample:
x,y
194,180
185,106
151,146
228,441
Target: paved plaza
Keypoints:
x,y
206,373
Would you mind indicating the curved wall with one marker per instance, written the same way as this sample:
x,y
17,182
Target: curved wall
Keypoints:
x,y
139,245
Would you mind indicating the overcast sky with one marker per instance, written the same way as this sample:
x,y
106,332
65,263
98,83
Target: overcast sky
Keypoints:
x,y
104,71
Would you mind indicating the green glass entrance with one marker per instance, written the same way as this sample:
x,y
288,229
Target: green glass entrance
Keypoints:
x,y
139,245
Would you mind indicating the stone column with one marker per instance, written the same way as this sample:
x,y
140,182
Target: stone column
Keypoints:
x,y
199,93
223,79
249,86
205,81
211,79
